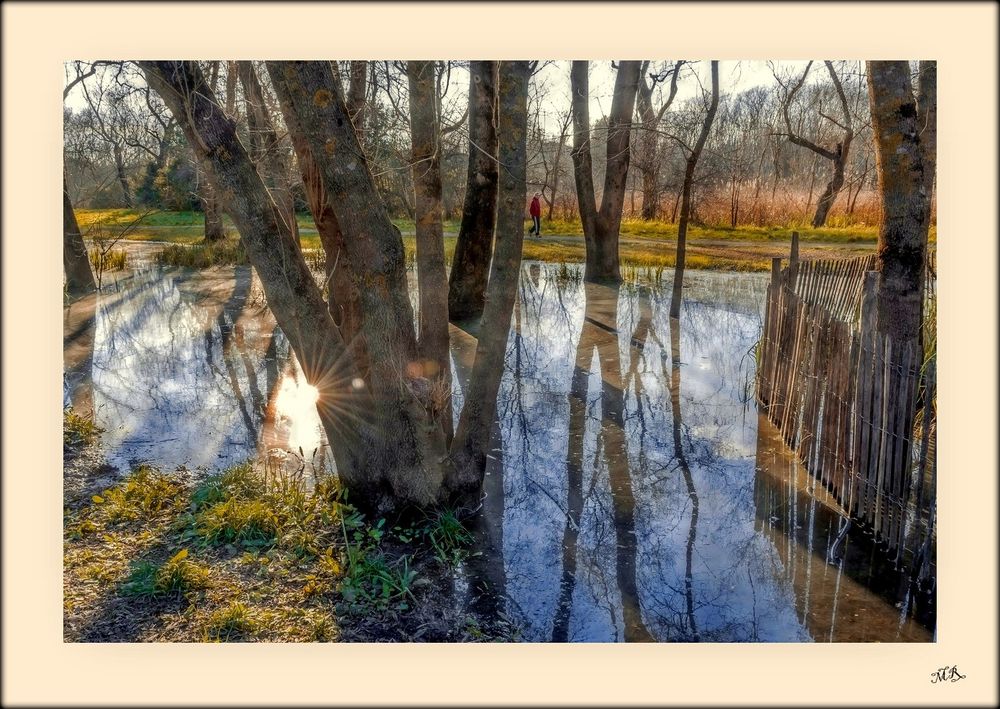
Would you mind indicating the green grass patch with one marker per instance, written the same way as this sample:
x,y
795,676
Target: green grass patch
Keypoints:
x,y
144,494
175,577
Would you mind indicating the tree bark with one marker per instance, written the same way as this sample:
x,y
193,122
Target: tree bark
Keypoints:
x,y
122,177
471,262
692,163
343,296
79,277
425,131
214,230
266,149
468,450
358,420
357,98
406,408
601,227
903,193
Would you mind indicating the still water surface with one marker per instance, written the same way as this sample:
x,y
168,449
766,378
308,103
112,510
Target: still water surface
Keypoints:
x,y
633,492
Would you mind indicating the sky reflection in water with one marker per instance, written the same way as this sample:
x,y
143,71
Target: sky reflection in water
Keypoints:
x,y
632,493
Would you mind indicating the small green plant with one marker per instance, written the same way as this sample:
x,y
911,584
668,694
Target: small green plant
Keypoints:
x,y
79,430
250,523
145,493
176,576
239,481
234,622
449,538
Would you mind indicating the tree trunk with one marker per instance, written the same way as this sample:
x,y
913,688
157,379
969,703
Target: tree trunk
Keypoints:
x,y
468,450
266,149
343,296
555,175
833,188
358,420
903,193
600,228
471,262
648,144
357,98
692,163
214,230
406,408
583,161
122,177
79,277
425,131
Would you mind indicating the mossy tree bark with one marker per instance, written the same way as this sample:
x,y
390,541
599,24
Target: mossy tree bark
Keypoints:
x,y
471,262
432,279
601,226
214,229
903,161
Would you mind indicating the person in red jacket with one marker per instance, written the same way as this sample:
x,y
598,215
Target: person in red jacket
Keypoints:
x,y
536,215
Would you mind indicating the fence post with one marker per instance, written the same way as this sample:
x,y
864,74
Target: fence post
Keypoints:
x,y
793,261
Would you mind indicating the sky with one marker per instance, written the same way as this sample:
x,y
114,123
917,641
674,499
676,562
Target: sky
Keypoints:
x,y
734,76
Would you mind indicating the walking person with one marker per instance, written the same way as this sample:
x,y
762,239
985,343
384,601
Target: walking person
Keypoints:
x,y
536,215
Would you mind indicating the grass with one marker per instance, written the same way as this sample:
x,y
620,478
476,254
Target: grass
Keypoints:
x,y
111,260
204,255
643,244
252,553
178,575
78,430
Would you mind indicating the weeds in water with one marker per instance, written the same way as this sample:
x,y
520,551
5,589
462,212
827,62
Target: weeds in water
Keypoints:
x,y
112,260
204,255
176,576
449,538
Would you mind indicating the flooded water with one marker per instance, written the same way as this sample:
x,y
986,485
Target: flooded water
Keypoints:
x,y
633,492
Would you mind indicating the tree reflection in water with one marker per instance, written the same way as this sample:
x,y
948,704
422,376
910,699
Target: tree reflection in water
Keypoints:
x,y
625,498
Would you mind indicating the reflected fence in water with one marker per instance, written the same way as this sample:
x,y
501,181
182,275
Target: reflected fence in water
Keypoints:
x,y
857,407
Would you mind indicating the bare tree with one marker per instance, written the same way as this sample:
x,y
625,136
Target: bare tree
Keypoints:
x,y
648,162
837,155
904,126
600,227
692,163
471,262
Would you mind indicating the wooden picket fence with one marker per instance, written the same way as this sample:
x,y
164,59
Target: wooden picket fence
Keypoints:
x,y
845,398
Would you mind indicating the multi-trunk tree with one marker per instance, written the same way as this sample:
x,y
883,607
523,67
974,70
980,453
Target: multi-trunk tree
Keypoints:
x,y
385,427
601,226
